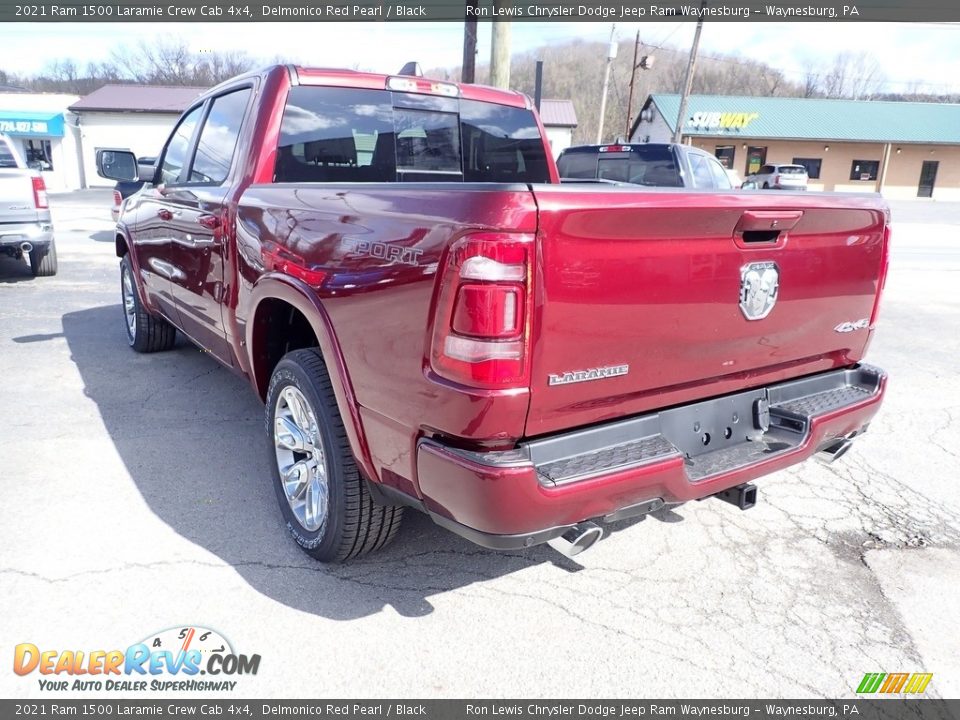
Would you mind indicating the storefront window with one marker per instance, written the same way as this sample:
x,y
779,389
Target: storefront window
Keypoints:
x,y
756,156
38,154
811,164
725,154
864,169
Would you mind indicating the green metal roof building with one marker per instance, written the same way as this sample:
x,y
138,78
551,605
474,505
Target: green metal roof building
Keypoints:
x,y
902,149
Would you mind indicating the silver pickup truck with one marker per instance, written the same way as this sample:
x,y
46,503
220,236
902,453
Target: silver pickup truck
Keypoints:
x,y
25,224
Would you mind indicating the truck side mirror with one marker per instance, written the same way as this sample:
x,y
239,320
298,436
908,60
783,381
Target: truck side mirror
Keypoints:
x,y
749,185
117,165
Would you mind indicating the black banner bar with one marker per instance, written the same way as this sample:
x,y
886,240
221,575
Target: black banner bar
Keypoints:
x,y
853,709
454,10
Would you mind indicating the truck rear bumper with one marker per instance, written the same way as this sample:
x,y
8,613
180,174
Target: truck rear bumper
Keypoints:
x,y
522,497
38,234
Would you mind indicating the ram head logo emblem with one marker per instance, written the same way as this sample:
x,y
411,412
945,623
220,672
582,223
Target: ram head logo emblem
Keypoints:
x,y
759,287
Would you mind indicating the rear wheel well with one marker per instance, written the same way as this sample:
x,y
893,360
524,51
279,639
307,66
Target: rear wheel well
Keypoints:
x,y
278,328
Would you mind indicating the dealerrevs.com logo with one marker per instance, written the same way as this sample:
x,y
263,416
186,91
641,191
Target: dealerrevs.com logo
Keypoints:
x,y
171,660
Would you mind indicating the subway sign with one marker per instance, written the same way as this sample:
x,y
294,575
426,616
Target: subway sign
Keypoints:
x,y
721,120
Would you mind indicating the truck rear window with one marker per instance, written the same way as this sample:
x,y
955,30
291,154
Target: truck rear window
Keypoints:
x,y
643,165
352,135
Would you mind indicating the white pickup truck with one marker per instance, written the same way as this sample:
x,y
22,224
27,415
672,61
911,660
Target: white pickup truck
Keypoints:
x,y
25,224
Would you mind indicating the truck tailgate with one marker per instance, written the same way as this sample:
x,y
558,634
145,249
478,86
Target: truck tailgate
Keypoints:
x,y
16,196
639,295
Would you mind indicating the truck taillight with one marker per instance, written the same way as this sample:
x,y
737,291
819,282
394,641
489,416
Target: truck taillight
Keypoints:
x,y
39,193
882,280
117,198
482,327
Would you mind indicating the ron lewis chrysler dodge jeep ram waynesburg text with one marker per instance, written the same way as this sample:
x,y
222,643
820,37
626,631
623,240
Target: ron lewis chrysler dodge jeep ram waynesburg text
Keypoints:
x,y
434,321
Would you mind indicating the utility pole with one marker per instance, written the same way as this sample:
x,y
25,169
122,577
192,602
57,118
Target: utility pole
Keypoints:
x,y
469,66
611,54
538,85
633,74
688,80
645,63
500,51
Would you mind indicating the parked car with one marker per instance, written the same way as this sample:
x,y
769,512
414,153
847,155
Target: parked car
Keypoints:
x,y
780,177
650,164
434,322
26,228
123,190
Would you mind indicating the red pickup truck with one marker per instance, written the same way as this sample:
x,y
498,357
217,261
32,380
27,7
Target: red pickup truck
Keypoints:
x,y
434,321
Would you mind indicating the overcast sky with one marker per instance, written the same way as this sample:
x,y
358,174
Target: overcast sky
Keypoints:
x,y
925,52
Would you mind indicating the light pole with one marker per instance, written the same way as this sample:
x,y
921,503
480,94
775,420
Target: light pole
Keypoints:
x,y
611,54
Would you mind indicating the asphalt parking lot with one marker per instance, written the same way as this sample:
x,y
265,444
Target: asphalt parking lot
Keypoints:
x,y
135,497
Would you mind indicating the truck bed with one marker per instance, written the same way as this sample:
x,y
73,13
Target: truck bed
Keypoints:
x,y
644,278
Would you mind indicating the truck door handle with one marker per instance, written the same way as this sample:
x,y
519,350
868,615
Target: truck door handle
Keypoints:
x,y
210,222
165,214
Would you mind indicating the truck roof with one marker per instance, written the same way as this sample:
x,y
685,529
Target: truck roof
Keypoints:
x,y
378,81
342,77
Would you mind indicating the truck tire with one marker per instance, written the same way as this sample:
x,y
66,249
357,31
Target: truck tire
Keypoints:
x,y
43,260
146,333
324,500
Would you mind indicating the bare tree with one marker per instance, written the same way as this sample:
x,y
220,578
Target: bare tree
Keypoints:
x,y
171,62
853,75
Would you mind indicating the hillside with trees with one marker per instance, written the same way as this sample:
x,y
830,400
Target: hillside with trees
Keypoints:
x,y
572,70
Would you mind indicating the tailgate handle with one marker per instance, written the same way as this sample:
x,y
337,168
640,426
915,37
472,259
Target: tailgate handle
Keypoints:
x,y
765,226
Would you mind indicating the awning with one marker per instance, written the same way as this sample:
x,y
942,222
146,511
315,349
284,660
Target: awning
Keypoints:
x,y
31,124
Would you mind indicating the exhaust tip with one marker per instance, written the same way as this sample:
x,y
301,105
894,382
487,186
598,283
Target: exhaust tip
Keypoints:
x,y
26,247
834,452
577,539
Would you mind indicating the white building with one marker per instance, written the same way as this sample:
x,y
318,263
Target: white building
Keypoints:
x,y
127,117
45,133
62,133
559,121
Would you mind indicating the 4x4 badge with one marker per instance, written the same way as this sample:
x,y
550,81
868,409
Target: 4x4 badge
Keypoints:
x,y
759,287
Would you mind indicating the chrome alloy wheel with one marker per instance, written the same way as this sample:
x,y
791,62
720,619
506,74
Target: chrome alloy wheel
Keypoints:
x,y
129,303
300,458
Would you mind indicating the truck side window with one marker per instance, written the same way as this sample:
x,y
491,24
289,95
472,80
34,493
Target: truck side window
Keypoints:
x,y
218,138
7,158
721,180
337,135
701,172
175,153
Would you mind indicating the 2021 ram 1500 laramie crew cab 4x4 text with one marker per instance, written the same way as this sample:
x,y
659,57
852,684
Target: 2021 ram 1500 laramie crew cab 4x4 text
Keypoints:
x,y
434,321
